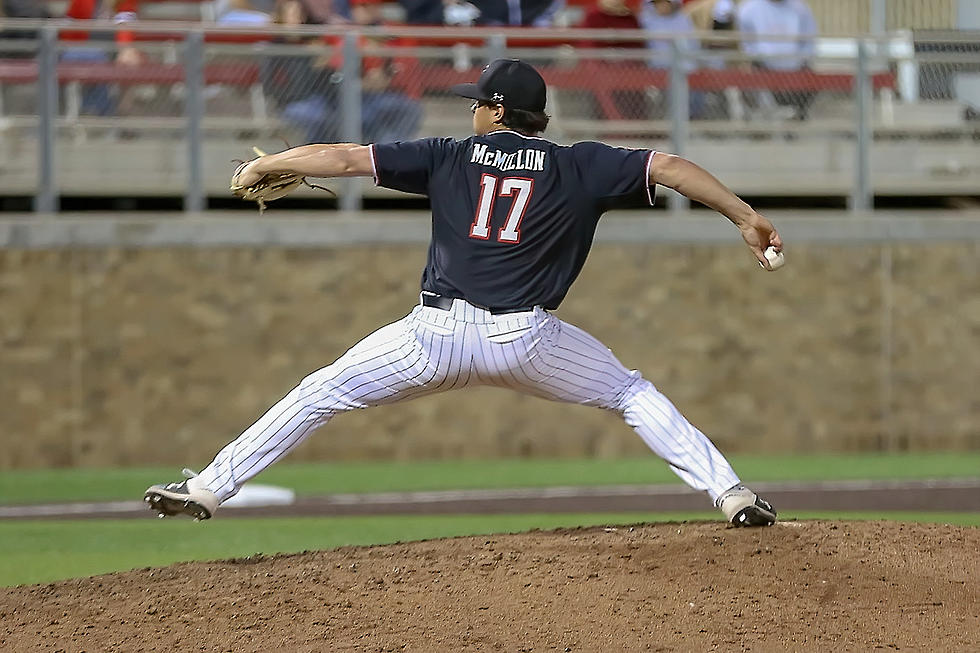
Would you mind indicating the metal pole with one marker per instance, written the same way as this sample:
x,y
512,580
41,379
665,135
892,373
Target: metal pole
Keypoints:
x,y
496,47
194,198
350,104
878,21
46,197
679,115
862,195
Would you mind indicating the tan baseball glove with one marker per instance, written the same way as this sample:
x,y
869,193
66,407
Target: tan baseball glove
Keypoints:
x,y
272,186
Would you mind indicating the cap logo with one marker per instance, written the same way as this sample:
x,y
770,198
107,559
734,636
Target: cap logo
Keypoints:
x,y
497,97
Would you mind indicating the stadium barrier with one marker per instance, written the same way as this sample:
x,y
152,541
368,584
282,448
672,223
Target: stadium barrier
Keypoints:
x,y
863,115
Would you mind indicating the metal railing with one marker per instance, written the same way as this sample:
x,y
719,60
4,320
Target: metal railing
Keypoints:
x,y
830,123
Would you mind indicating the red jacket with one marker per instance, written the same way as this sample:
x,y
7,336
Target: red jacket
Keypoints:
x,y
595,18
119,11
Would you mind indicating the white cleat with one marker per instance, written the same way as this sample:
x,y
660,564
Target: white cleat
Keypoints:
x,y
743,507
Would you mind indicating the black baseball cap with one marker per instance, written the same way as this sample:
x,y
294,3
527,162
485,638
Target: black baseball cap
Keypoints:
x,y
508,82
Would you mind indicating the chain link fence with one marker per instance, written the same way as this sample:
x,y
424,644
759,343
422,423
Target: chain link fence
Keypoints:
x,y
841,116
19,51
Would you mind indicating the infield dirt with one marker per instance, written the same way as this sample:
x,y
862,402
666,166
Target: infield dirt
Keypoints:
x,y
814,586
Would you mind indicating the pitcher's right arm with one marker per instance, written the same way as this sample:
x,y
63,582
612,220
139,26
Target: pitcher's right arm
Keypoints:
x,y
696,183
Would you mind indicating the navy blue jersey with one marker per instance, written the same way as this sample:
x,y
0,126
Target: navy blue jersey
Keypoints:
x,y
513,216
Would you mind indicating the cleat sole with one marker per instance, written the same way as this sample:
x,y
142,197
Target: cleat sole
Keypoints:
x,y
171,507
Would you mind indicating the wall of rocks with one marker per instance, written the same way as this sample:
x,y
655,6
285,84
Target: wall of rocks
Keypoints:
x,y
113,356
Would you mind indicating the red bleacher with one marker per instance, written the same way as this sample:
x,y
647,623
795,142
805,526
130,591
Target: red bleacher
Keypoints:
x,y
603,80
600,79
25,72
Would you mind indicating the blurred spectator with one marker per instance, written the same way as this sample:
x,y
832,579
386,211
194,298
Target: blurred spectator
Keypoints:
x,y
786,18
97,99
702,12
386,114
460,13
726,104
616,14
366,12
723,15
666,16
721,18
221,8
425,12
302,85
119,12
307,91
329,12
21,9
529,13
611,14
245,12
789,18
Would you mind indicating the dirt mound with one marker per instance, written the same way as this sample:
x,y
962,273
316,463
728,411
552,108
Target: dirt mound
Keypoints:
x,y
666,587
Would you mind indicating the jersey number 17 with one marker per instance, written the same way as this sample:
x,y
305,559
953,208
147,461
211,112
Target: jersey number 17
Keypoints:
x,y
520,188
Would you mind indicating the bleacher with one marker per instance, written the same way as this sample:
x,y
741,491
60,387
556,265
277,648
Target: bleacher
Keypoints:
x,y
155,9
585,103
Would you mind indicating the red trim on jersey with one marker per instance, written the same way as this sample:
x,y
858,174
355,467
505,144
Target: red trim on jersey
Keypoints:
x,y
651,195
374,165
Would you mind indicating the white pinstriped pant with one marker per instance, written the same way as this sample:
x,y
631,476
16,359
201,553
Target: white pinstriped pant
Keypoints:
x,y
432,350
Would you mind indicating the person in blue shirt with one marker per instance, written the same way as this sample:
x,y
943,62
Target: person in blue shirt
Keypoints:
x,y
668,17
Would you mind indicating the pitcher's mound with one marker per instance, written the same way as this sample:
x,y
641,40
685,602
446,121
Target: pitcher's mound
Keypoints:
x,y
818,586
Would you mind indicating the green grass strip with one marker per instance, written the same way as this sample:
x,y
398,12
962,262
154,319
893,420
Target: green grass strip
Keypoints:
x,y
54,485
45,551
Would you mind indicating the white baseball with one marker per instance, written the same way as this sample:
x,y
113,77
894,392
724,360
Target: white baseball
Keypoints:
x,y
776,259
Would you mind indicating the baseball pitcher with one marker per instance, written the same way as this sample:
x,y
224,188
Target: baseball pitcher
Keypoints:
x,y
513,219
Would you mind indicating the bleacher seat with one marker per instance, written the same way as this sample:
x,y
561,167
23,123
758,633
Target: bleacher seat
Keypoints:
x,y
155,9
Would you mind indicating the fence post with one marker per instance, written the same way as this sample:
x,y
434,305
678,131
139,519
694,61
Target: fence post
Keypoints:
x,y
862,195
878,20
496,47
46,197
679,115
194,198
350,103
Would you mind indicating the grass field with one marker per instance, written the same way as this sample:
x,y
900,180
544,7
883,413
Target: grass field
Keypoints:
x,y
41,486
43,551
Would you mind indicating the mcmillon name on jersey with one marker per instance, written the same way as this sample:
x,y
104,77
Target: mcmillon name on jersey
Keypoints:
x,y
519,160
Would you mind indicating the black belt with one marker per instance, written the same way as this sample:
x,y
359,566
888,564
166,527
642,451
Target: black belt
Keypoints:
x,y
446,303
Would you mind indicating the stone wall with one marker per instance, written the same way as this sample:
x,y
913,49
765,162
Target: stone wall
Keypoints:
x,y
136,356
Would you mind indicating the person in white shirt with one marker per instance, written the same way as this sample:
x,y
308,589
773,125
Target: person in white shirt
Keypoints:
x,y
790,18
779,35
